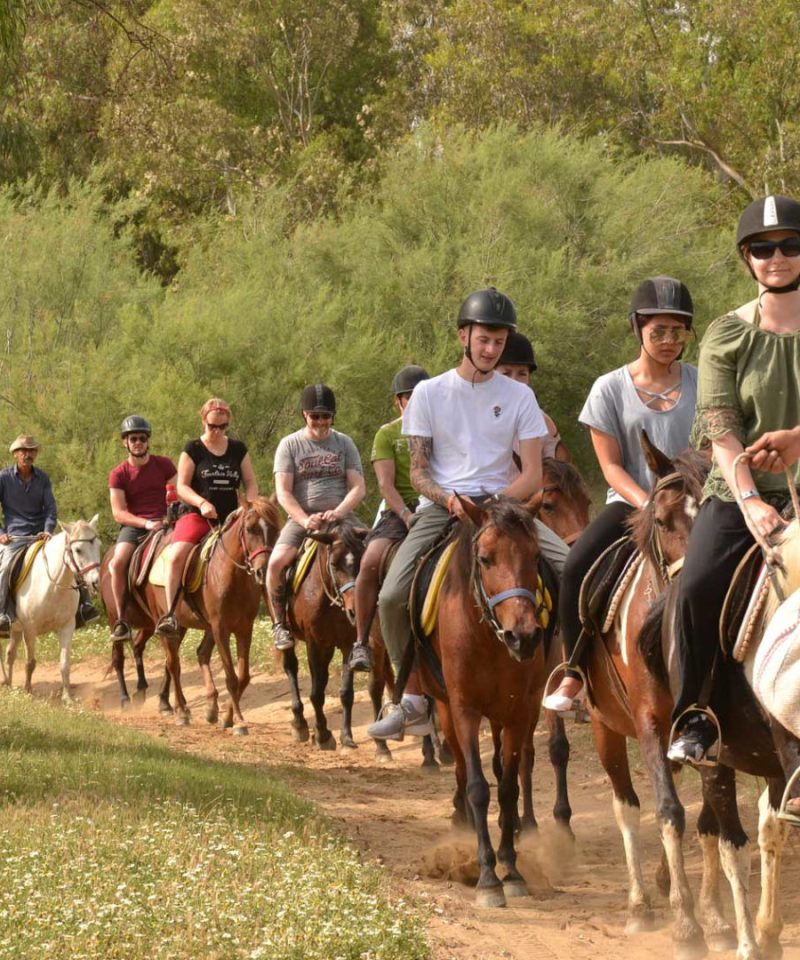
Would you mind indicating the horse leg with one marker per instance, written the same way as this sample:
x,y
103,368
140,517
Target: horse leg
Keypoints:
x,y
118,666
204,650
489,892
771,839
318,665
244,641
613,752
719,934
173,663
164,705
687,935
11,653
65,644
719,788
30,658
431,743
462,814
558,749
234,716
508,795
299,724
139,643
377,681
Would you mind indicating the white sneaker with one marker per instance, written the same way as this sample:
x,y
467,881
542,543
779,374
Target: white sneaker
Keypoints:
x,y
396,720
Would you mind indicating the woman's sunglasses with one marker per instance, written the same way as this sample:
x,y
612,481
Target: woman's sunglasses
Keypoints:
x,y
673,334
765,249
218,426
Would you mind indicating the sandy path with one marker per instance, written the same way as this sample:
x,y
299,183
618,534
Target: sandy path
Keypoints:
x,y
399,814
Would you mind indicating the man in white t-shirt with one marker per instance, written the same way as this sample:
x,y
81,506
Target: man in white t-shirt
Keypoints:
x,y
462,428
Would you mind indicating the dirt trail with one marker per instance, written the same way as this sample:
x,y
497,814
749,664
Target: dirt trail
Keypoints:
x,y
399,815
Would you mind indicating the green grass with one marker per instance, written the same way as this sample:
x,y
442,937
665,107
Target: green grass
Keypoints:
x,y
115,846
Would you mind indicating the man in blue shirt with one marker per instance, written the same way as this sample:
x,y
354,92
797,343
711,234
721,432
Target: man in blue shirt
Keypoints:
x,y
29,512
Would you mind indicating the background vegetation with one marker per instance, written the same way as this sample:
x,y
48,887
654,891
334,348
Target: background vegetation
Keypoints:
x,y
238,198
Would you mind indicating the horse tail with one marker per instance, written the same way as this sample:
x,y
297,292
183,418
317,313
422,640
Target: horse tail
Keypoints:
x,y
650,645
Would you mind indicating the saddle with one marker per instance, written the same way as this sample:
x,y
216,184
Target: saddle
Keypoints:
x,y
196,564
143,557
744,604
605,585
299,569
22,563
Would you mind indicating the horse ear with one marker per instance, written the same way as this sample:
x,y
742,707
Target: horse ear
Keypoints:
x,y
320,536
361,532
66,527
659,462
93,522
534,505
472,510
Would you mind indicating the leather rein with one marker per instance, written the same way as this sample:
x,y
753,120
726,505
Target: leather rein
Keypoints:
x,y
249,555
72,566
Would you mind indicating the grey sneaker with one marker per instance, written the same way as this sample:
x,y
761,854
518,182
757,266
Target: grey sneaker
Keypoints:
x,y
396,720
360,658
281,637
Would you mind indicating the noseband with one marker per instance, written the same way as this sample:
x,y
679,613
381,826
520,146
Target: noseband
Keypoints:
x,y
487,604
249,555
336,592
70,562
668,570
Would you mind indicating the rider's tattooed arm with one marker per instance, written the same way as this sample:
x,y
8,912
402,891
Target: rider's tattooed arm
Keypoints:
x,y
421,480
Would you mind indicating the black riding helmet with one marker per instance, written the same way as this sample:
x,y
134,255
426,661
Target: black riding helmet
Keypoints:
x,y
519,350
775,212
406,379
318,398
134,424
488,307
660,295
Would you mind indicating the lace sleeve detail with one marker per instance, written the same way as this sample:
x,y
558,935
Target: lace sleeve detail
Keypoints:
x,y
712,423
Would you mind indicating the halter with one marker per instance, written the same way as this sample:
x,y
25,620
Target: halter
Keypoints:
x,y
72,566
487,604
668,570
249,556
336,593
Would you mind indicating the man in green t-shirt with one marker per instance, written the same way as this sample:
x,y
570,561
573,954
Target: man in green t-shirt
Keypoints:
x,y
391,462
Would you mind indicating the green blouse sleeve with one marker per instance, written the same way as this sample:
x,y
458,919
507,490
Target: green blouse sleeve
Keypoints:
x,y
718,408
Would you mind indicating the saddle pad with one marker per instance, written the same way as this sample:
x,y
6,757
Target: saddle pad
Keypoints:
x,y
143,557
776,667
27,557
193,574
600,587
739,597
621,589
302,565
430,607
386,559
423,577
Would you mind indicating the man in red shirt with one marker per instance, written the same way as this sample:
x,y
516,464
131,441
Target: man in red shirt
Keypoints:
x,y
138,503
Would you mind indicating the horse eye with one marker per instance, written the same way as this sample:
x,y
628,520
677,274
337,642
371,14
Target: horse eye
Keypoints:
x,y
548,507
484,561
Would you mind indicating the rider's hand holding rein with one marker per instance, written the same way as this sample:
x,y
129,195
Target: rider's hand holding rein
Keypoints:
x,y
208,510
764,517
776,450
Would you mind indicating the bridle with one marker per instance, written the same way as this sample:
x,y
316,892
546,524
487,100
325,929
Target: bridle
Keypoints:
x,y
249,555
487,604
70,563
667,570
335,593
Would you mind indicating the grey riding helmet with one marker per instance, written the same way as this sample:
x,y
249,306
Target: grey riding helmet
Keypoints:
x,y
318,398
134,424
488,307
658,295
518,350
775,212
407,378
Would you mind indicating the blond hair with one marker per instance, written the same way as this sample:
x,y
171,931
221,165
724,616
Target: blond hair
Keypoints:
x,y
212,405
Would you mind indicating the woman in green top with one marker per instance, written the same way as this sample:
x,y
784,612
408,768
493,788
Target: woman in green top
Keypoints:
x,y
748,385
391,461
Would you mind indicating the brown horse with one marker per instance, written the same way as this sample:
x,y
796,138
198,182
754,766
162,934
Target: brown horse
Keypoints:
x,y
322,613
628,672
563,502
488,639
226,602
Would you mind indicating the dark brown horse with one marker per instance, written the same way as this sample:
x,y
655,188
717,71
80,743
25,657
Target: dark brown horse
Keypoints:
x,y
323,614
629,679
563,502
226,602
488,639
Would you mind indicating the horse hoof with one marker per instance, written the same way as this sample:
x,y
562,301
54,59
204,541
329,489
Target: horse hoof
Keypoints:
x,y
726,940
300,734
212,716
515,888
429,765
692,949
240,730
348,743
124,703
446,757
771,949
490,897
226,724
640,923
384,756
140,696
182,722
328,744
165,708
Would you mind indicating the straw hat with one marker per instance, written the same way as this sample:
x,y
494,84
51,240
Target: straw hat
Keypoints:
x,y
24,442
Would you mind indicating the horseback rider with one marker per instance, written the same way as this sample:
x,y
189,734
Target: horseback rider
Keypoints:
x,y
519,362
462,427
748,386
29,513
775,451
656,393
391,462
137,488
211,469
318,480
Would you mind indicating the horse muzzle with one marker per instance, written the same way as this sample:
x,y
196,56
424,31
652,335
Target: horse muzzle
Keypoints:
x,y
522,645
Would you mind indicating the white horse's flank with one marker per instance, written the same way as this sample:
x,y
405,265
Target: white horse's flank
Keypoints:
x,y
47,600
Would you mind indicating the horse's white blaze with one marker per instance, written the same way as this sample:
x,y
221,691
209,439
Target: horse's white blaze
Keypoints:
x,y
736,864
771,838
624,612
350,560
627,818
690,507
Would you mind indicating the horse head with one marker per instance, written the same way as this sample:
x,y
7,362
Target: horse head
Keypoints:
x,y
564,500
341,560
259,533
503,549
662,526
82,551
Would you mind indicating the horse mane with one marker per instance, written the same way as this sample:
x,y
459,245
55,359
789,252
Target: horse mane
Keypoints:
x,y
348,528
567,478
650,639
267,510
693,468
509,516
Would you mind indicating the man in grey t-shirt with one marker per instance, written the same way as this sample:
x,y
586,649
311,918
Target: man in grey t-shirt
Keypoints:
x,y
318,479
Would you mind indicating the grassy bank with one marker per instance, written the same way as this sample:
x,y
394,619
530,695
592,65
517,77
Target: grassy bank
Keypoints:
x,y
113,845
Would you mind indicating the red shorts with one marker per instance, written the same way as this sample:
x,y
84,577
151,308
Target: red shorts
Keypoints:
x,y
190,528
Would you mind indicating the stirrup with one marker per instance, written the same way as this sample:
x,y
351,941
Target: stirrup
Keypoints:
x,y
562,668
783,813
706,712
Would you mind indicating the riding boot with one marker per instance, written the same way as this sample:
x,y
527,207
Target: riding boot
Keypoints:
x,y
87,611
281,635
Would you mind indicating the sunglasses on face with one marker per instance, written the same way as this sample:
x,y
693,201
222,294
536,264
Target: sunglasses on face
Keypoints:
x,y
218,426
673,334
319,416
138,437
765,249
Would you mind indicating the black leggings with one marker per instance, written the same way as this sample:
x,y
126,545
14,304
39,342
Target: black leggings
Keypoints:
x,y
718,541
609,526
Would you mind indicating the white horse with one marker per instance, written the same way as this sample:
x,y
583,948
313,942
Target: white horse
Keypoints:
x,y
47,599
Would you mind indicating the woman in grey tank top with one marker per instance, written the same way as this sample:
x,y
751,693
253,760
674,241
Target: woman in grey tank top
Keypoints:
x,y
656,393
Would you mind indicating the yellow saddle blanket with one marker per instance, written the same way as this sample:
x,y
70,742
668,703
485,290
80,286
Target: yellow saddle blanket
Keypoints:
x,y
27,562
195,568
302,565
